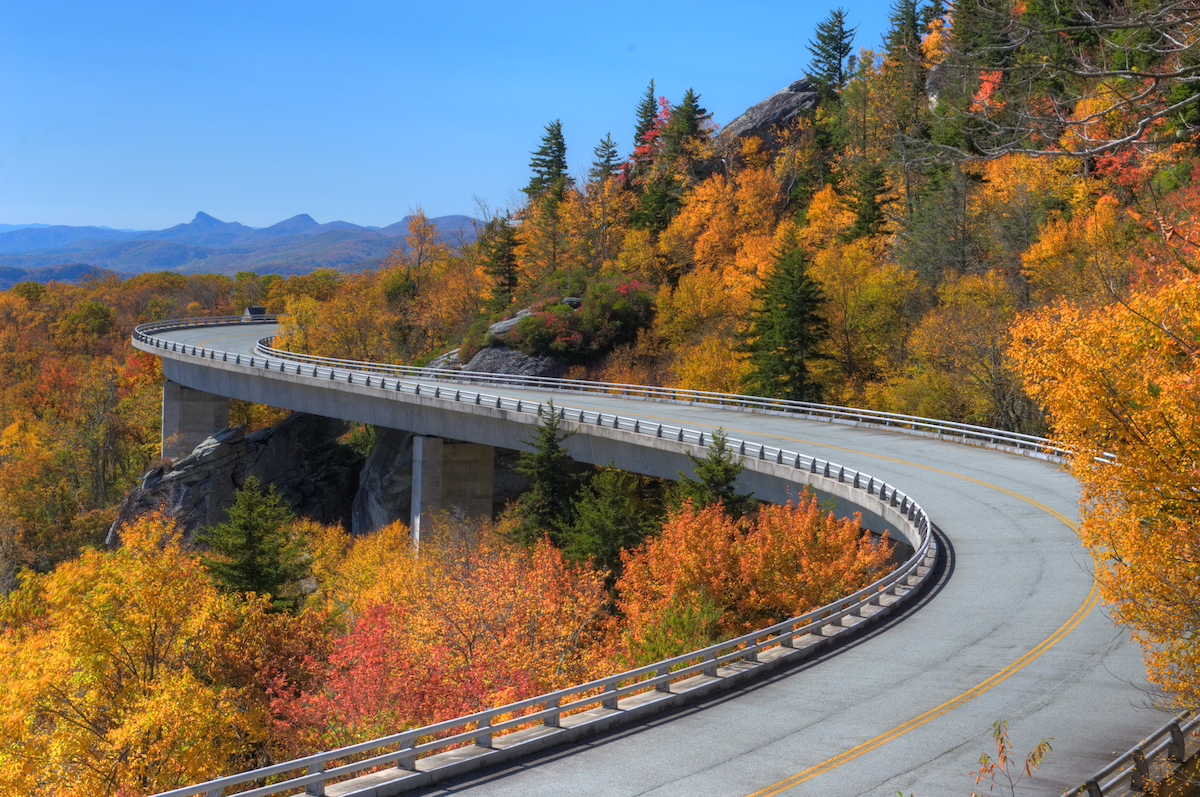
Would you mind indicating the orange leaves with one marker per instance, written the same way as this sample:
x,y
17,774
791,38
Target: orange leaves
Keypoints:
x,y
1123,378
780,563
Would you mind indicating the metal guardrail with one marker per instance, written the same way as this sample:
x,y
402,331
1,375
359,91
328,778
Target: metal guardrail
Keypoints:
x,y
559,710
791,639
1151,761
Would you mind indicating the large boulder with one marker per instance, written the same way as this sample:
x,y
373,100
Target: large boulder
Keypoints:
x,y
503,360
314,473
773,113
385,483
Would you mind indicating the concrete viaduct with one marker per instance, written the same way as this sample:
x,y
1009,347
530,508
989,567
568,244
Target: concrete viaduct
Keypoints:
x,y
1011,629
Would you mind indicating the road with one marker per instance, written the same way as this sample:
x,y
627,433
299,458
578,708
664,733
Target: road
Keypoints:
x,y
1012,631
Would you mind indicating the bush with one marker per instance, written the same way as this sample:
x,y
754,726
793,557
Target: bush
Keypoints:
x,y
611,315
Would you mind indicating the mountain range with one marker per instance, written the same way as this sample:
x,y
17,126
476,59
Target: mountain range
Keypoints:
x,y
206,245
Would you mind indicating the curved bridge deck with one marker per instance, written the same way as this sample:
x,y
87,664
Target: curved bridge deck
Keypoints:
x,y
1013,630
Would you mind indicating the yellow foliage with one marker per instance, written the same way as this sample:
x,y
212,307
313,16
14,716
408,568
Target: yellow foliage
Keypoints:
x,y
711,364
1085,257
1125,378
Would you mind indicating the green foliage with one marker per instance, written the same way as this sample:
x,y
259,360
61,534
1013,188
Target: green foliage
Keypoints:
x,y
611,315
254,551
29,291
647,109
833,43
549,163
687,122
615,511
786,327
500,244
548,506
715,475
605,164
684,626
868,202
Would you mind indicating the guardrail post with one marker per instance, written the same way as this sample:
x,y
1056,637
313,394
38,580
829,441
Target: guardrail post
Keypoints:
x,y
368,380
1140,779
553,720
408,763
659,432
484,739
762,452
742,448
701,439
636,426
318,788
611,697
710,665
437,392
681,434
665,686
1177,751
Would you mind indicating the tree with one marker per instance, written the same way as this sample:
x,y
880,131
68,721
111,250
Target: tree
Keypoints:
x,y
254,551
829,49
604,167
549,164
1121,378
611,515
647,111
548,506
688,121
500,241
715,475
1133,67
786,326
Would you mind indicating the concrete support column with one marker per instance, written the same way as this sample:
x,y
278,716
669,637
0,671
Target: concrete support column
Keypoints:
x,y
450,475
188,417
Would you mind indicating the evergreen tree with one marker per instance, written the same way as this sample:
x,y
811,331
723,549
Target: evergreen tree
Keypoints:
x,y
605,164
548,506
549,163
254,551
786,326
611,515
500,242
866,202
686,123
830,48
715,475
647,110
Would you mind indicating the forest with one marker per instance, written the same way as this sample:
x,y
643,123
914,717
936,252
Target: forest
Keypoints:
x,y
988,218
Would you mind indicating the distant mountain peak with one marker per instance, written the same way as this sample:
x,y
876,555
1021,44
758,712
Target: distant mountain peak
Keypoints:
x,y
204,218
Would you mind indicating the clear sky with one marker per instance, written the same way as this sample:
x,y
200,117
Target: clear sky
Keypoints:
x,y
138,115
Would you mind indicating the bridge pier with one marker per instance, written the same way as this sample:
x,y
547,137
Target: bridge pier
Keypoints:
x,y
189,416
448,474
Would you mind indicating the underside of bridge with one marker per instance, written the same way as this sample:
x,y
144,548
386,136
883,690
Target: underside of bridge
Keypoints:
x,y
447,475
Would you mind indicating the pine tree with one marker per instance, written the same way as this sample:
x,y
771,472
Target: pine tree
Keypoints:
x,y
715,475
866,202
686,123
605,164
786,325
548,506
647,110
610,516
830,48
549,163
500,240
254,551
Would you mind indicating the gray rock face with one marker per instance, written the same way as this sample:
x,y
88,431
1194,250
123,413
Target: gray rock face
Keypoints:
x,y
500,327
774,112
385,483
502,360
315,475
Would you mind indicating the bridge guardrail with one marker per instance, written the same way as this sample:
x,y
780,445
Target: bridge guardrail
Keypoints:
x,y
749,651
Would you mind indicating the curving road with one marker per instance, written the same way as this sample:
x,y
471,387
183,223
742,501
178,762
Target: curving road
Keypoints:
x,y
1011,631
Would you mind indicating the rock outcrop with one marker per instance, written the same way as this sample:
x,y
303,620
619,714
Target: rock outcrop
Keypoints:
x,y
385,483
301,456
772,113
503,360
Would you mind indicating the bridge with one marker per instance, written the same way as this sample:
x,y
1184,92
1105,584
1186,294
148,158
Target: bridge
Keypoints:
x,y
1008,628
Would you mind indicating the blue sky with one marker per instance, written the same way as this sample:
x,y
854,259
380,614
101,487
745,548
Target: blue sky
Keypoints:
x,y
138,115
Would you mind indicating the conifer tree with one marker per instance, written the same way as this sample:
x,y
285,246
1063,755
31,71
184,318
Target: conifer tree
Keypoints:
x,y
866,202
786,325
500,242
549,163
647,110
610,516
548,506
254,551
686,123
715,475
605,164
830,48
